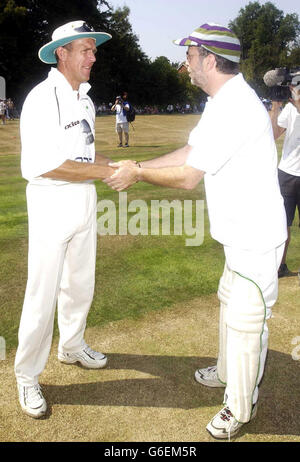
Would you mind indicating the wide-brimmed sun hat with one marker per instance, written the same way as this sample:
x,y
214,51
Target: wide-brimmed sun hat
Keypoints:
x,y
215,38
67,33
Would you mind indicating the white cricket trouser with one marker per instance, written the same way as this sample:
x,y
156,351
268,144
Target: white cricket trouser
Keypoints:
x,y
61,270
248,289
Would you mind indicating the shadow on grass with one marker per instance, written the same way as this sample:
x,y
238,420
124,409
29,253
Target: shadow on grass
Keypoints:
x,y
171,384
290,274
156,146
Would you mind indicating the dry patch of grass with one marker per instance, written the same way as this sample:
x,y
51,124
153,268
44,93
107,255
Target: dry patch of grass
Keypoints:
x,y
148,393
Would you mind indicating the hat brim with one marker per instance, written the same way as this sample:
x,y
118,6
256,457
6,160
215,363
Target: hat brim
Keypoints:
x,y
47,52
213,47
185,42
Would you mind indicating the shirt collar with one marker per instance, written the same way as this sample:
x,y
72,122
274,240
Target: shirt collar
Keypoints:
x,y
60,80
226,88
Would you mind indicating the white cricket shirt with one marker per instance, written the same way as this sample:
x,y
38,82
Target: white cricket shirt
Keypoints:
x,y
120,116
57,124
234,144
289,118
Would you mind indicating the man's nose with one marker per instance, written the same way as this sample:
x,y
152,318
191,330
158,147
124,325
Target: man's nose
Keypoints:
x,y
92,57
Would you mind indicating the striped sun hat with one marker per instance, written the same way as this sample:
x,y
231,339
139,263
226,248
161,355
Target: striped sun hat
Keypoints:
x,y
215,38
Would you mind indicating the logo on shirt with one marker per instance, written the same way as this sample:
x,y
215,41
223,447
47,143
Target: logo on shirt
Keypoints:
x,y
89,139
86,128
72,124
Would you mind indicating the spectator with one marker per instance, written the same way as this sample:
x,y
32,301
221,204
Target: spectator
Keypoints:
x,y
3,111
121,106
288,121
10,109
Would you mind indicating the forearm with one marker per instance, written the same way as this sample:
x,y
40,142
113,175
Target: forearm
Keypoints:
x,y
173,159
183,177
79,171
277,131
274,113
170,177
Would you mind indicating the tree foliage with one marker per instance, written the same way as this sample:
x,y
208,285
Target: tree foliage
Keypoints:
x,y
121,64
26,25
269,40
122,58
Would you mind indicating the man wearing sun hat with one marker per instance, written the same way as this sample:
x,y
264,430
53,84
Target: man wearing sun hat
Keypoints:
x,y
59,162
233,149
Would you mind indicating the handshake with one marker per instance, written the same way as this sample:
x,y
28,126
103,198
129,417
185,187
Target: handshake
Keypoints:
x,y
127,172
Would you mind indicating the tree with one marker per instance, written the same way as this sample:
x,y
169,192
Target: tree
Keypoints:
x,y
122,64
269,40
26,25
162,82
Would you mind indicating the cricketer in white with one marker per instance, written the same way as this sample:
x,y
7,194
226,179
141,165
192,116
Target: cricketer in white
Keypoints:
x,y
58,159
233,148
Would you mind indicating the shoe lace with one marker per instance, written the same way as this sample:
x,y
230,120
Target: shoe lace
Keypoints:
x,y
212,369
34,393
91,352
227,416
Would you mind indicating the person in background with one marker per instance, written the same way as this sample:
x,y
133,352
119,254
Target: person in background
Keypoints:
x,y
287,122
120,107
3,111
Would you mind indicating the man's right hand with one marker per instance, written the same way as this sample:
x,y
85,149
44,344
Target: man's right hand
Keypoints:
x,y
125,175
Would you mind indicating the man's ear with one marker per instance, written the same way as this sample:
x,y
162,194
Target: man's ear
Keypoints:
x,y
61,53
210,61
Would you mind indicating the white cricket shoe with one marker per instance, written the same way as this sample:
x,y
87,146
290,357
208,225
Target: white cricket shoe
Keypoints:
x,y
224,425
208,377
32,401
87,357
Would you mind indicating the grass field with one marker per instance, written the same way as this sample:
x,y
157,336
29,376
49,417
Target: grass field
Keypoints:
x,y
154,313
